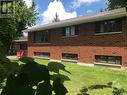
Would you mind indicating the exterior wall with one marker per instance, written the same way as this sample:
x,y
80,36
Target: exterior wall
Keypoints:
x,y
17,47
17,44
86,44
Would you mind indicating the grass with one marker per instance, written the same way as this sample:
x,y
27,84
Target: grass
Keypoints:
x,y
86,76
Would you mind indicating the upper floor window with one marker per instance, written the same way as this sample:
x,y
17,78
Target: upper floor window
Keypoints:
x,y
70,31
108,26
23,46
42,37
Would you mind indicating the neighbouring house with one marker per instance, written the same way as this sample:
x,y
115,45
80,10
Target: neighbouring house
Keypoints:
x,y
20,47
93,39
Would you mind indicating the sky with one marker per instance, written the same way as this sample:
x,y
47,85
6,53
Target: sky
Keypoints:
x,y
65,9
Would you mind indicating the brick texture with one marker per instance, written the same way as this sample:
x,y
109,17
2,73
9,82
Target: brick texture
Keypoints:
x,y
86,44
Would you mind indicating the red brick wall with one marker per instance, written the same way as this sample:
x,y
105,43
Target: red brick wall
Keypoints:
x,y
86,44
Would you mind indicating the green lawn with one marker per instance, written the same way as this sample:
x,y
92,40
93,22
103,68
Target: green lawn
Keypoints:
x,y
86,76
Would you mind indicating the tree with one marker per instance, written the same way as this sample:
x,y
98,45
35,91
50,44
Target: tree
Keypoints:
x,y
11,28
56,19
114,4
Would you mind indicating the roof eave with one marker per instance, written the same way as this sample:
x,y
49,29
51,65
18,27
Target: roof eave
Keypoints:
x,y
117,13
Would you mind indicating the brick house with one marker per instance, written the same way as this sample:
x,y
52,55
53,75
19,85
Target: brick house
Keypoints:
x,y
94,39
20,45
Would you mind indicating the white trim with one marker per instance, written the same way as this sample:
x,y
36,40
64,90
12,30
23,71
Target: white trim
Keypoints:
x,y
82,63
106,64
108,33
124,68
38,57
41,43
69,36
86,64
69,60
55,60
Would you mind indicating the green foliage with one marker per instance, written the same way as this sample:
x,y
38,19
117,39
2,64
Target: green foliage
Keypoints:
x,y
113,4
11,28
6,67
35,79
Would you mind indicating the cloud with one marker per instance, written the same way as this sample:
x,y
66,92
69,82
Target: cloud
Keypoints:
x,y
78,3
89,11
56,7
28,2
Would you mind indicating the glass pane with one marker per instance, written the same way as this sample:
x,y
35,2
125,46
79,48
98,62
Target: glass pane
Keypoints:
x,y
102,28
109,26
118,60
37,37
42,54
101,59
23,46
108,59
67,31
70,56
72,31
111,60
45,37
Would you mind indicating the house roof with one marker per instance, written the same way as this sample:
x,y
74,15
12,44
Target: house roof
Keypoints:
x,y
22,39
112,14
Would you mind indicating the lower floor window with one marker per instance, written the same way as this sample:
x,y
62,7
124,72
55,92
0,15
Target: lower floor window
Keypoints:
x,y
108,59
69,56
42,54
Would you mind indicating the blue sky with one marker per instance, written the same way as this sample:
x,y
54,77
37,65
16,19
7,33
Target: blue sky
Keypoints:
x,y
66,8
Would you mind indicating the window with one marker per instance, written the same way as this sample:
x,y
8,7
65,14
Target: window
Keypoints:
x,y
69,56
6,7
108,26
23,46
108,59
42,54
42,37
70,31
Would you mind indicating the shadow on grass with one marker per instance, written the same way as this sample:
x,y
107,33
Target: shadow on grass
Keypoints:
x,y
56,67
115,90
101,86
35,79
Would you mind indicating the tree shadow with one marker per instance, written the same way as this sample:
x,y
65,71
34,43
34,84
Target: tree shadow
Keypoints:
x,y
84,91
115,90
118,91
59,88
35,79
56,67
36,72
62,77
101,86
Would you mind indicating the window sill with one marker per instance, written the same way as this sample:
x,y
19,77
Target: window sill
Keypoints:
x,y
39,57
69,36
107,64
108,33
69,60
41,43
